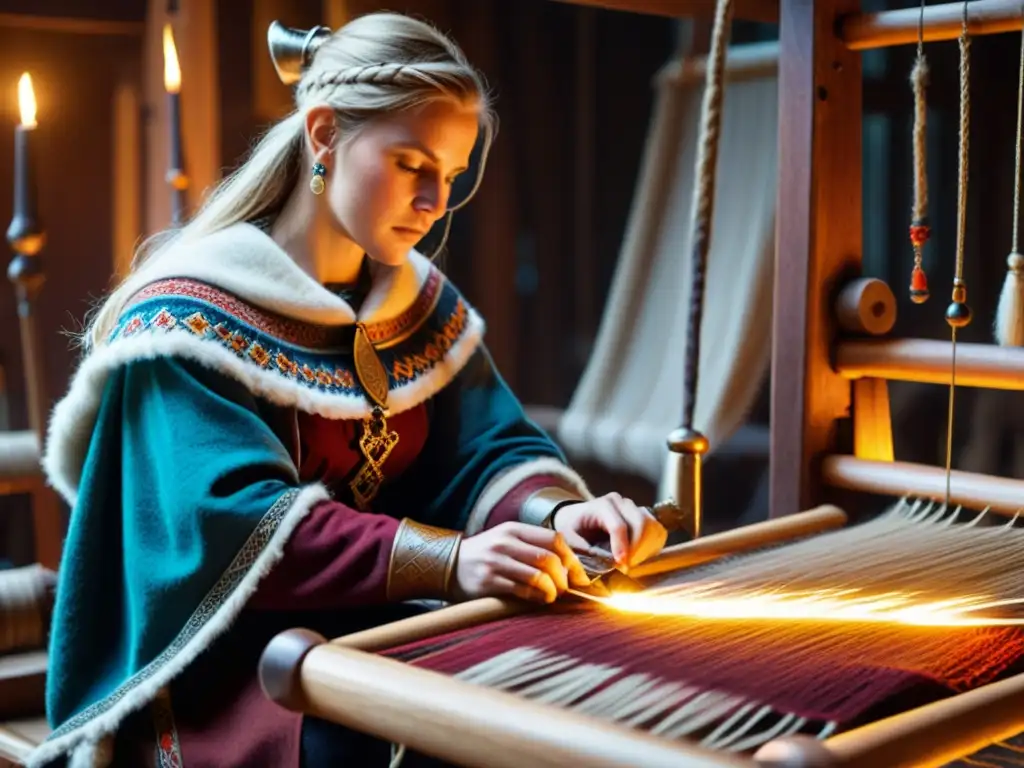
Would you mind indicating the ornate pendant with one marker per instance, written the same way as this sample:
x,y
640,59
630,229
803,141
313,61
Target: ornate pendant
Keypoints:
x,y
369,368
376,445
377,441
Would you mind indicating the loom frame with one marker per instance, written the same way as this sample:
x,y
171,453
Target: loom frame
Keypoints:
x,y
345,681
831,375
820,378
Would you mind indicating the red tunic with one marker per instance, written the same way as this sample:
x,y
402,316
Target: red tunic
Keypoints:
x,y
331,578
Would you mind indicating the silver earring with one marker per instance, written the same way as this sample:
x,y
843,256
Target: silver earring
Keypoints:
x,y
316,184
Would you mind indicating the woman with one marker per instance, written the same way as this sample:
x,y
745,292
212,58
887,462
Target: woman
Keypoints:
x,y
286,417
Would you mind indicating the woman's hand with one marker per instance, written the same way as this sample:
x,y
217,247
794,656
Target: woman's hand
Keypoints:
x,y
517,559
633,532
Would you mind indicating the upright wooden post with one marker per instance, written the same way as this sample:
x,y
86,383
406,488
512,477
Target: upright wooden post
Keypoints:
x,y
818,240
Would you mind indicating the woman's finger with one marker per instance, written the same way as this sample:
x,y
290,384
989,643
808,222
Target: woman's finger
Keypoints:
x,y
501,585
544,560
647,535
618,531
528,576
555,542
573,567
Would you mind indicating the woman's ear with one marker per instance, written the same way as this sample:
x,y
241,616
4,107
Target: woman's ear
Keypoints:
x,y
321,130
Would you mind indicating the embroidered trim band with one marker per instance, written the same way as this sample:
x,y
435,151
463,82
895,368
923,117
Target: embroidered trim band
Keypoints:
x,y
317,357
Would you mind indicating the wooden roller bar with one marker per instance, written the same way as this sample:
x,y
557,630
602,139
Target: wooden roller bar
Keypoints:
x,y
900,478
861,31
460,722
930,362
450,619
690,553
927,737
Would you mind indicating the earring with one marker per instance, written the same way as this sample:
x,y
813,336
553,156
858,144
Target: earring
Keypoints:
x,y
316,184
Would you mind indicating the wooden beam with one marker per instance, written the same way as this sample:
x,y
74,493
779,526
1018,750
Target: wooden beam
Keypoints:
x,y
872,420
861,31
973,490
746,10
929,361
465,723
818,241
126,174
72,26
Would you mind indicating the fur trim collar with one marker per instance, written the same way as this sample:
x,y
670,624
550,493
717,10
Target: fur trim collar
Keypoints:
x,y
245,261
236,302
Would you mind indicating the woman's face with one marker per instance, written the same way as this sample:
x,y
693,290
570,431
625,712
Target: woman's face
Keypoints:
x,y
391,182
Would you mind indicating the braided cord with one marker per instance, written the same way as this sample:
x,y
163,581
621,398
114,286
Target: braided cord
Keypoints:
x,y
959,290
965,125
919,81
704,200
1016,164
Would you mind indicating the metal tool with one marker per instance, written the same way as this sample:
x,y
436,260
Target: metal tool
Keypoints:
x,y
605,576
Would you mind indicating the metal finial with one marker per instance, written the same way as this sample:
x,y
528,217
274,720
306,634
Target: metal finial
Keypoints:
x,y
292,50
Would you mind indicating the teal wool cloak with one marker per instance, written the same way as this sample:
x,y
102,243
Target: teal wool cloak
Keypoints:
x,y
175,447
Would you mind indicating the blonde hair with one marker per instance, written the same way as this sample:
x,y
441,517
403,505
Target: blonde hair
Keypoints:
x,y
376,64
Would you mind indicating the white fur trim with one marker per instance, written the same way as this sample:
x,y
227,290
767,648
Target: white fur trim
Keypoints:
x,y
106,723
504,482
73,417
93,754
245,261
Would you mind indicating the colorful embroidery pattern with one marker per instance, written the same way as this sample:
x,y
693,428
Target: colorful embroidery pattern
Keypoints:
x,y
287,329
316,357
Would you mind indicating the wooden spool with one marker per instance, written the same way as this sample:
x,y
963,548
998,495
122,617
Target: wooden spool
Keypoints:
x,y
866,306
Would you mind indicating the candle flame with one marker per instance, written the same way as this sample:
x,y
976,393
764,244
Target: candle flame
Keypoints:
x,y
710,601
27,101
172,71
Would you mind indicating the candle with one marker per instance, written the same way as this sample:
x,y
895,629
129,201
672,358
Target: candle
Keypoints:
x,y
172,85
25,231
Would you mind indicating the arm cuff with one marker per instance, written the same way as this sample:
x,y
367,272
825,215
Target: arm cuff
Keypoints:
x,y
540,507
422,561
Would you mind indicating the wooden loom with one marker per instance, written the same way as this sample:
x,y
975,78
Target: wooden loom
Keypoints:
x,y
823,371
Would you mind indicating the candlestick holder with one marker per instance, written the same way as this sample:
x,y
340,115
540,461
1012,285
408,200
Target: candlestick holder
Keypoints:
x,y
176,176
27,236
178,182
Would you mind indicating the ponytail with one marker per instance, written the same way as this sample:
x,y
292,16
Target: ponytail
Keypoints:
x,y
259,187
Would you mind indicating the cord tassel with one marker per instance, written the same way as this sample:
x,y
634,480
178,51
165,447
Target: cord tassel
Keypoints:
x,y
1009,325
1010,315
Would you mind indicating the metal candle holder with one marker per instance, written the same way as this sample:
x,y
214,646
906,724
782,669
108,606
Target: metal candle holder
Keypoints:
x,y
27,237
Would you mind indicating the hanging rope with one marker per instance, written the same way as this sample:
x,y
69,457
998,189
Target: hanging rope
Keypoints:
x,y
704,199
958,314
1009,326
919,229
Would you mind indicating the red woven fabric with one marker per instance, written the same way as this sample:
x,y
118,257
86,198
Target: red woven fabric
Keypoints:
x,y
823,672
